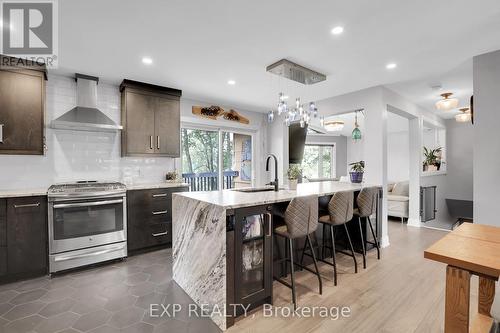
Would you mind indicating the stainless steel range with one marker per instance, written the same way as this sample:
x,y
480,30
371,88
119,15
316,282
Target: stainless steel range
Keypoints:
x,y
87,223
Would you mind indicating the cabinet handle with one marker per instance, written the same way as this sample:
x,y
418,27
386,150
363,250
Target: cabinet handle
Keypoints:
x,y
150,142
27,205
160,234
158,142
160,212
159,195
1,133
270,225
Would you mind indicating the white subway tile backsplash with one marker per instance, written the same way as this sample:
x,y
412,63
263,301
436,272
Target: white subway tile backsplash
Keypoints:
x,y
73,155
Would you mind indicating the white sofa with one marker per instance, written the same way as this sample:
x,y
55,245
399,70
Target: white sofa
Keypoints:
x,y
398,200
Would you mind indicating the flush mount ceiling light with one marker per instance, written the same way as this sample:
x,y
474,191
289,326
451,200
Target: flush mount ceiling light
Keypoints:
x,y
231,82
333,125
391,66
463,117
447,103
147,61
337,30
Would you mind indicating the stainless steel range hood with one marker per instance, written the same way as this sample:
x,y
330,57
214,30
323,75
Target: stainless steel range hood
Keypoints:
x,y
85,116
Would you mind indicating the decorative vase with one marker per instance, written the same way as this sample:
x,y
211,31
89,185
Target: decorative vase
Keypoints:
x,y
292,184
356,177
432,168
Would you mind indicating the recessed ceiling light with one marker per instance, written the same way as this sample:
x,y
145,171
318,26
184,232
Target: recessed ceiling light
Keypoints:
x,y
391,65
147,61
337,30
231,82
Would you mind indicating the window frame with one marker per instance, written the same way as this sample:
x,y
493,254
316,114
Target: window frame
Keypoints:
x,y
333,169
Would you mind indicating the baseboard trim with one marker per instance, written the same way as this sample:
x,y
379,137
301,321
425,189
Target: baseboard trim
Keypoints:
x,y
414,223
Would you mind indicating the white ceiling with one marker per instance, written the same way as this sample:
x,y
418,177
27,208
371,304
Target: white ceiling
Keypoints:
x,y
197,46
457,80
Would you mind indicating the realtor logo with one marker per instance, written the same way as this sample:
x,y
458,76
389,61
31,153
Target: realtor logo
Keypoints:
x,y
29,30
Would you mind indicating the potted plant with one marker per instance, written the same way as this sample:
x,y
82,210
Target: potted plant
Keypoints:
x,y
294,173
432,159
357,170
172,177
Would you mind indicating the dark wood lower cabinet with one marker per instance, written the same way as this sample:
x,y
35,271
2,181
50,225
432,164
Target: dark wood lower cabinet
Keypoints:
x,y
25,252
249,258
149,218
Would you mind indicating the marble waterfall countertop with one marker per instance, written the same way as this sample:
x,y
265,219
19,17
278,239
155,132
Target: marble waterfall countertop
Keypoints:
x,y
43,191
231,199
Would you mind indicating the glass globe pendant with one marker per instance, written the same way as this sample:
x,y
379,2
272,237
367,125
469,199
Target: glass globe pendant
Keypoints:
x,y
356,132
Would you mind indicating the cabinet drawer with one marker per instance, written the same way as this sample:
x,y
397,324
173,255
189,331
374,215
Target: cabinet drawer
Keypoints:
x,y
140,237
3,223
160,233
3,260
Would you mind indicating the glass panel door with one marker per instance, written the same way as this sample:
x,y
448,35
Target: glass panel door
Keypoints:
x,y
252,255
200,159
236,160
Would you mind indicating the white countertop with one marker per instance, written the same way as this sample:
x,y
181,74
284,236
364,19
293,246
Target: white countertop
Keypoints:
x,y
155,185
43,191
231,199
23,193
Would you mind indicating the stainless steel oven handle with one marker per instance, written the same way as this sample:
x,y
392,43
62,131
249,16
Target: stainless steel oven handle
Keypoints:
x,y
88,204
89,254
27,205
160,212
160,234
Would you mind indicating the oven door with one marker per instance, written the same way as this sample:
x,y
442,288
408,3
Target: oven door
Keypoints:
x,y
84,223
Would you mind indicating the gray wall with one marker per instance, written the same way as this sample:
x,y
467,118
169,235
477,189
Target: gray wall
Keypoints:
x,y
457,183
340,143
486,140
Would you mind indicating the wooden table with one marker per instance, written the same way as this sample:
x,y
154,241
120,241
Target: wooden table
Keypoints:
x,y
471,249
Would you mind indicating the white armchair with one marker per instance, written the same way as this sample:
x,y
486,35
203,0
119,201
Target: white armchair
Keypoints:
x,y
398,200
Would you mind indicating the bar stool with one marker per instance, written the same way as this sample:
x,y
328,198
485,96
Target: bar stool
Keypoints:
x,y
367,206
301,219
340,211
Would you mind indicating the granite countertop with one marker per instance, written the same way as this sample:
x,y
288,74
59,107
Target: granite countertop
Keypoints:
x,y
231,199
43,191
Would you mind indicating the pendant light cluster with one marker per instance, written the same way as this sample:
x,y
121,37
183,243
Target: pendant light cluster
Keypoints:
x,y
297,113
300,112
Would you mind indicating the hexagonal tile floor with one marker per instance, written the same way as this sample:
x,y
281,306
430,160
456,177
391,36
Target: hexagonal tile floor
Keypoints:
x,y
113,297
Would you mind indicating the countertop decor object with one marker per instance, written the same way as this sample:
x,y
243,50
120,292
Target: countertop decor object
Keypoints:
x,y
294,173
471,249
357,171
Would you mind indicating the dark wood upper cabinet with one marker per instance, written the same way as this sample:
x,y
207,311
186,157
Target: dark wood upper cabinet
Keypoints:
x,y
22,109
150,119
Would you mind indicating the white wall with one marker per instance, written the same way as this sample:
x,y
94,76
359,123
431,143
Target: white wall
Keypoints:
x,y
486,139
398,156
75,155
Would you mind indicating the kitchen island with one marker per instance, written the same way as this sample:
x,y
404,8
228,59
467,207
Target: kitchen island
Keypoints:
x,y
206,227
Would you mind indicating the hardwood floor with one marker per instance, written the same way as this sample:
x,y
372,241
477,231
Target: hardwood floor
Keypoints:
x,y
402,292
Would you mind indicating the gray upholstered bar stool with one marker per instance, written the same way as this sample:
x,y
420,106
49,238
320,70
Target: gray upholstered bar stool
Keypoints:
x,y
340,211
301,220
367,206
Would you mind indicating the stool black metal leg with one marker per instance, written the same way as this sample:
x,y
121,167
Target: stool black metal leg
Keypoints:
x,y
352,248
292,275
374,238
303,253
323,242
315,264
333,257
285,273
362,242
